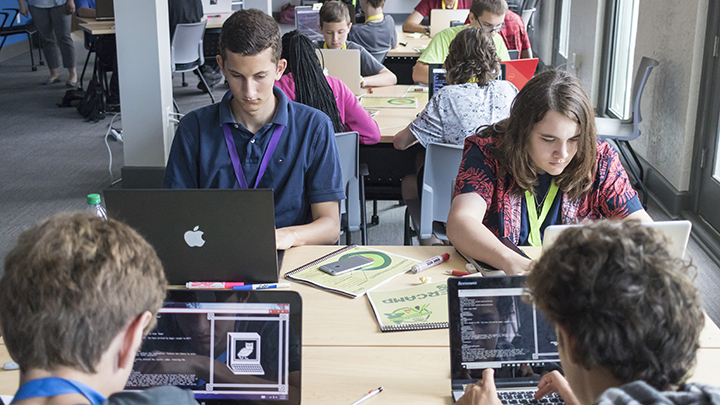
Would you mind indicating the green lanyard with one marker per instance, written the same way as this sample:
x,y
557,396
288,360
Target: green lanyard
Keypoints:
x,y
535,222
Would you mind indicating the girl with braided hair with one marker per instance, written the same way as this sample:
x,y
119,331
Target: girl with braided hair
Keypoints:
x,y
304,82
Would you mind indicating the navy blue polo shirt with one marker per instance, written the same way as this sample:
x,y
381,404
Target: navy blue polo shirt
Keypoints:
x,y
304,170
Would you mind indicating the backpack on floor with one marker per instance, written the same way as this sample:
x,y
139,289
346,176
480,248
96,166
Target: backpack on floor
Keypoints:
x,y
92,105
72,98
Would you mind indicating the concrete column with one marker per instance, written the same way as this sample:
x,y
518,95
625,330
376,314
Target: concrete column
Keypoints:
x,y
143,50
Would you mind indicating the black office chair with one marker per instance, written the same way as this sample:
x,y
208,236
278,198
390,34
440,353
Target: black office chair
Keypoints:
x,y
27,29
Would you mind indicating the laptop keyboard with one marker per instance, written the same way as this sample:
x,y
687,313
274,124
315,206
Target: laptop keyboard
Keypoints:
x,y
527,397
247,368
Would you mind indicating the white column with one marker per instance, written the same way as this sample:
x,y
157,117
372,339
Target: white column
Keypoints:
x,y
143,50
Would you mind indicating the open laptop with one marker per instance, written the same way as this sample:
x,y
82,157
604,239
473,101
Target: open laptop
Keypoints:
x,y
519,72
307,21
216,7
104,10
243,345
441,19
492,327
204,235
676,234
436,78
343,64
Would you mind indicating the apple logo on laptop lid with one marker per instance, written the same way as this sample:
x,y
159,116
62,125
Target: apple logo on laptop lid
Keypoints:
x,y
194,238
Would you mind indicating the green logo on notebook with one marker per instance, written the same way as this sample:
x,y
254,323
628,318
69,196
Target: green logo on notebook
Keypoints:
x,y
410,314
381,259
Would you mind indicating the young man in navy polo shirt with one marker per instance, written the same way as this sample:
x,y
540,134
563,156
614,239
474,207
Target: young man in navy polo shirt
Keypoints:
x,y
256,137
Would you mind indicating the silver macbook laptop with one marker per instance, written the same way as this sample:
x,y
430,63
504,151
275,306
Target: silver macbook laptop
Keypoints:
x,y
492,327
307,21
676,234
243,346
441,19
104,10
204,235
343,64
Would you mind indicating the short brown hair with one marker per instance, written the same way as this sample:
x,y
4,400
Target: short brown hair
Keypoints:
x,y
497,7
71,284
333,12
472,56
629,306
250,32
552,90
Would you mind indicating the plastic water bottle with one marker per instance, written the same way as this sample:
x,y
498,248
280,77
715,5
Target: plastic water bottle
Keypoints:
x,y
93,205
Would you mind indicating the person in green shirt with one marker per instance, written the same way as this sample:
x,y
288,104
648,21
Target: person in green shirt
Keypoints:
x,y
486,14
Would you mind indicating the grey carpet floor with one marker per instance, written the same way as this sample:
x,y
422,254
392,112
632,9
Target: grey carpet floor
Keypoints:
x,y
50,159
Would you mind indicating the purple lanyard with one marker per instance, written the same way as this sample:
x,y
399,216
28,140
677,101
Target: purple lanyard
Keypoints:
x,y
239,174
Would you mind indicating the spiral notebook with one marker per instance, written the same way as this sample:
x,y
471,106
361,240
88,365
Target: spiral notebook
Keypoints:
x,y
415,308
357,282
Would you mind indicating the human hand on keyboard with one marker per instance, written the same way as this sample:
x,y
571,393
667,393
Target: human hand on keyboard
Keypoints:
x,y
482,392
555,382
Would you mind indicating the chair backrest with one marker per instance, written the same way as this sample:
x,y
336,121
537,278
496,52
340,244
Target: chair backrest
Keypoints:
x,y
527,15
442,162
641,78
187,44
349,151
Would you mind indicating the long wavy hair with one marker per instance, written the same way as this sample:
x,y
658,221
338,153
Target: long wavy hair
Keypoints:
x,y
472,56
311,87
552,90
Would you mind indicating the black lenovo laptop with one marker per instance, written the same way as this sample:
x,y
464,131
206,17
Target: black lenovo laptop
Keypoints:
x,y
104,10
492,327
228,347
204,235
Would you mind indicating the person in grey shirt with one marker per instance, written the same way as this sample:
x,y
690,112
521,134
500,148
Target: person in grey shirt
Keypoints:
x,y
378,35
472,100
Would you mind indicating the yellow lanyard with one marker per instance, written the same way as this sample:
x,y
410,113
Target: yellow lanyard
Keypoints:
x,y
325,46
534,222
375,17
454,5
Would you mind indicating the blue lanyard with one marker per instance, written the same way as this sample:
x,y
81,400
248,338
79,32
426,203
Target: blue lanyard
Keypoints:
x,y
52,386
237,165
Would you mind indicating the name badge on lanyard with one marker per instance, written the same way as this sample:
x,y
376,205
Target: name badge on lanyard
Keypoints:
x,y
239,173
536,222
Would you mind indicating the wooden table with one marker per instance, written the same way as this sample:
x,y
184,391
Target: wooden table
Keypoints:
x,y
95,27
392,120
345,354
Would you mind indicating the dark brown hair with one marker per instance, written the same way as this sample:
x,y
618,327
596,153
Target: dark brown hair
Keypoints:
x,y
497,7
333,12
629,306
250,32
472,56
71,285
552,90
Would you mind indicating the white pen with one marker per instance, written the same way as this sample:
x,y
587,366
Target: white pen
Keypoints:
x,y
261,286
370,394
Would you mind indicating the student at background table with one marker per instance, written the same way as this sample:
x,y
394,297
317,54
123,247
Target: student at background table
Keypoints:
x,y
52,19
303,81
471,100
256,137
335,25
627,318
422,10
74,330
541,166
486,14
378,34
515,35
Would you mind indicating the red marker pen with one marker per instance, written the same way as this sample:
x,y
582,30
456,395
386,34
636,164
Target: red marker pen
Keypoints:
x,y
433,261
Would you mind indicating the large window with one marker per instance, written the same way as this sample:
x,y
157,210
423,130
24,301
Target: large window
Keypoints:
x,y
563,47
621,58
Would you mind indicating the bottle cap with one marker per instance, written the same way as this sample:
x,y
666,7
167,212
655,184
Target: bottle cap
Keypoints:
x,y
93,199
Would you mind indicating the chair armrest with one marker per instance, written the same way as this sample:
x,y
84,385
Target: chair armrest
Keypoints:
x,y
201,53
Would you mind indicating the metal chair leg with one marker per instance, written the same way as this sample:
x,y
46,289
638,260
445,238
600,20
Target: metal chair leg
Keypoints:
x,y
212,97
184,83
407,236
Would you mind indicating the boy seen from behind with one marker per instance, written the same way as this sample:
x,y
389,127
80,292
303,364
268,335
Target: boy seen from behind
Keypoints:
x,y
335,25
378,34
627,318
77,297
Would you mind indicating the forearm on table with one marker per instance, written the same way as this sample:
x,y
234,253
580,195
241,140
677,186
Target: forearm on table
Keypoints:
x,y
412,23
420,72
322,231
384,78
476,241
